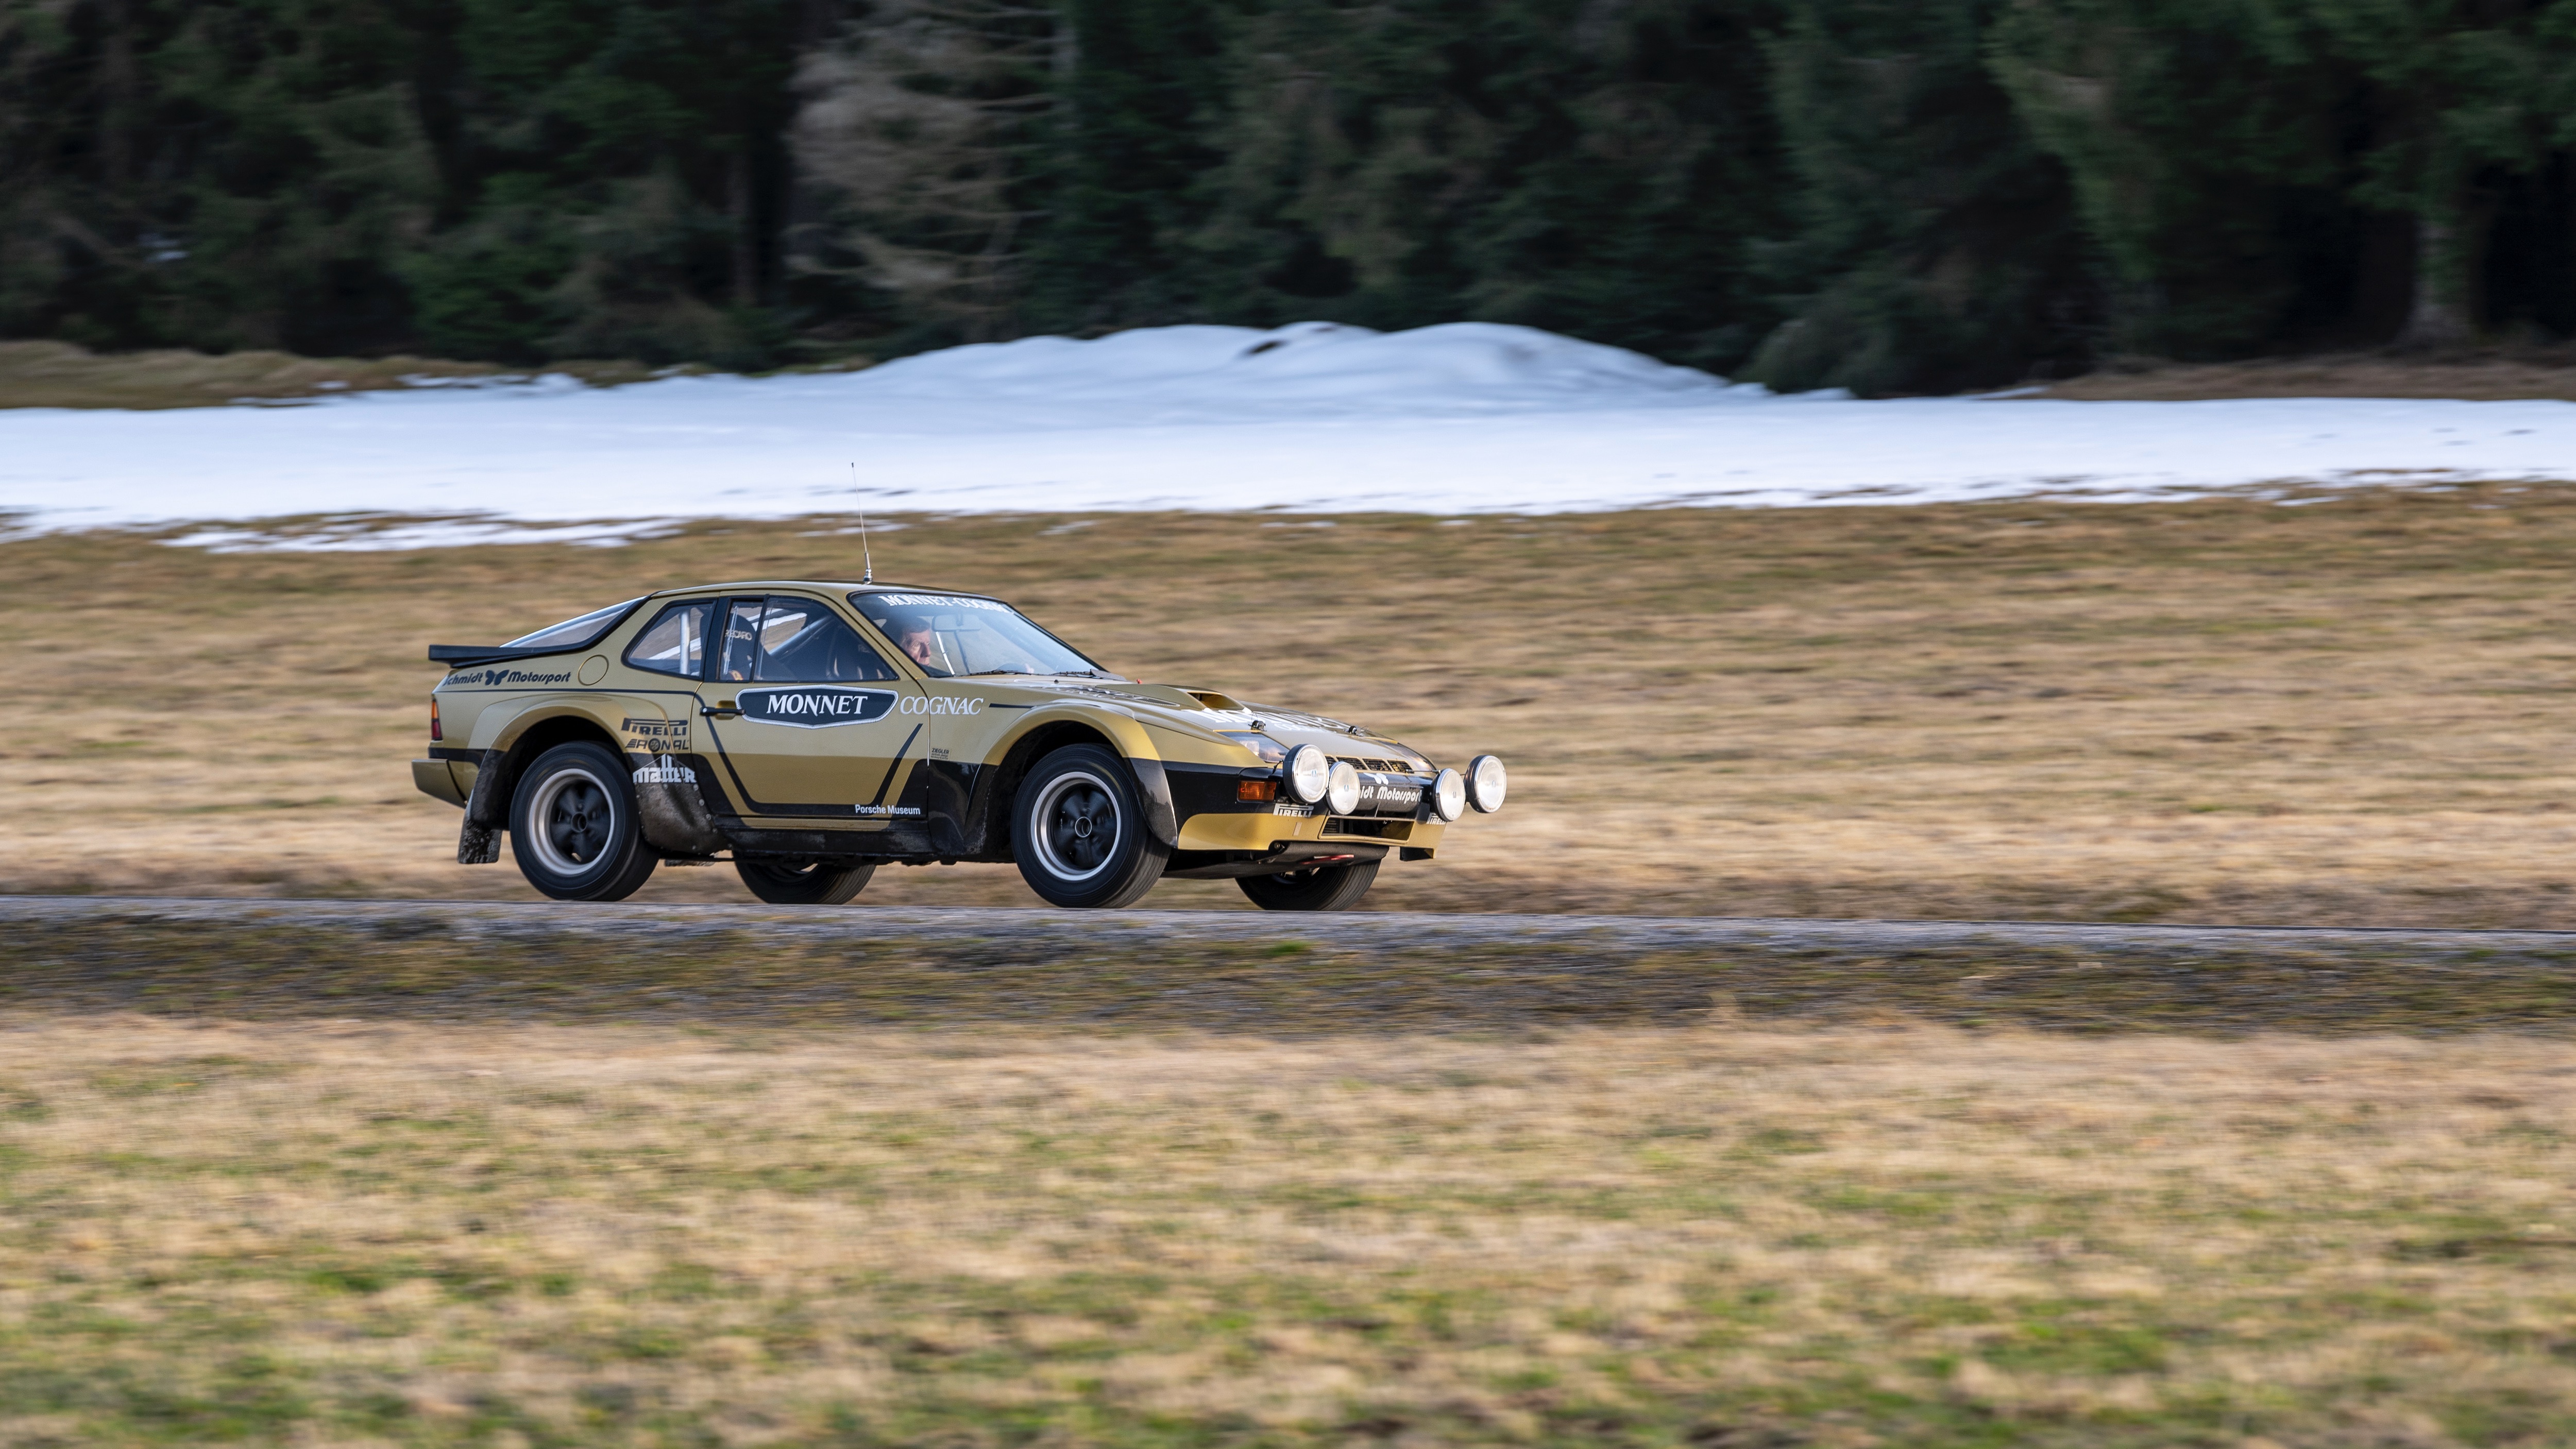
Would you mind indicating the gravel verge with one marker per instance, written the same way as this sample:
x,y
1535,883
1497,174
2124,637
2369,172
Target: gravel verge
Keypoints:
x,y
1242,972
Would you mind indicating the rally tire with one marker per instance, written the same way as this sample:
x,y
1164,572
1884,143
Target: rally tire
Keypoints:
x,y
802,882
1316,888
1078,831
572,825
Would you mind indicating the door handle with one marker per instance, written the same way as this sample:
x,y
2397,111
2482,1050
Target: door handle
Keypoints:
x,y
724,709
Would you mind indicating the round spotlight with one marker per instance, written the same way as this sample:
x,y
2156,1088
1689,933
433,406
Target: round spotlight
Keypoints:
x,y
1486,783
1448,795
1342,796
1309,774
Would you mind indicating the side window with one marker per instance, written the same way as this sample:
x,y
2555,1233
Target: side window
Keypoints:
x,y
741,644
803,642
675,642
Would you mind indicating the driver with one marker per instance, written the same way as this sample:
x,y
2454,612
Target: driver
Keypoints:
x,y
913,635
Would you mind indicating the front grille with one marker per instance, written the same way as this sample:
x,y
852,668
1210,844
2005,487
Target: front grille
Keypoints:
x,y
1361,762
1382,829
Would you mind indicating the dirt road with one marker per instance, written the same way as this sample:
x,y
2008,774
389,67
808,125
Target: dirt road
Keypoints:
x,y
1277,975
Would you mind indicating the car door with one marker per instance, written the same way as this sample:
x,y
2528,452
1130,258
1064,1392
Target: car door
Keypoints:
x,y
807,721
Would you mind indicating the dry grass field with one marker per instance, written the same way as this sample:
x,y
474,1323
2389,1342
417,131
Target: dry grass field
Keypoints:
x,y
2354,711
365,1233
2491,375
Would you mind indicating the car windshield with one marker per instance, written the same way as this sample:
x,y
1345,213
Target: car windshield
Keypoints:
x,y
573,633
957,634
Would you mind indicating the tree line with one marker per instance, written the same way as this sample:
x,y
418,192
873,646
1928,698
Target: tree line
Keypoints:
x,y
1888,195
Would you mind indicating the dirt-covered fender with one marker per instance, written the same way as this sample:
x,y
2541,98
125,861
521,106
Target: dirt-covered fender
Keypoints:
x,y
499,732
1126,734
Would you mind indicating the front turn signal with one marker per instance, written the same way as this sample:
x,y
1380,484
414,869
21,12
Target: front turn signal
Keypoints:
x,y
1256,790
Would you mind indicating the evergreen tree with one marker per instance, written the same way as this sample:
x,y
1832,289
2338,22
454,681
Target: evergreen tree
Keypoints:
x,y
2454,97
1884,196
1599,169
1935,246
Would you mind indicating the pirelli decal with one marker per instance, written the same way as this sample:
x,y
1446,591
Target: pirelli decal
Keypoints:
x,y
815,706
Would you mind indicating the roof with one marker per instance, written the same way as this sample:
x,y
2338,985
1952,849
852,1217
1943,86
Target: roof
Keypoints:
x,y
821,586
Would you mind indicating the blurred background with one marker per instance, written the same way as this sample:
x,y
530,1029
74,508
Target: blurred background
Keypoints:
x,y
1892,197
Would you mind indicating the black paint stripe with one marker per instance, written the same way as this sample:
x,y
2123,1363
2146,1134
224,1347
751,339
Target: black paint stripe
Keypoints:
x,y
893,765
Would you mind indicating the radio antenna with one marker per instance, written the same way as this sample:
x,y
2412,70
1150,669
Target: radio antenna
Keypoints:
x,y
867,565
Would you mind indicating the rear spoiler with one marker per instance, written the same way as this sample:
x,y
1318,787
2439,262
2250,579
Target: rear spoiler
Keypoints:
x,y
468,654
463,655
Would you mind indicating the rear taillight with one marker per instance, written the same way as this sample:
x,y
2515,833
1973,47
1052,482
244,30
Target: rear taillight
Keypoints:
x,y
435,732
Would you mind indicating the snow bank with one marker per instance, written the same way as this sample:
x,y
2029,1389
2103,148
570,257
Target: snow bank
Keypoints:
x,y
1229,372
1312,418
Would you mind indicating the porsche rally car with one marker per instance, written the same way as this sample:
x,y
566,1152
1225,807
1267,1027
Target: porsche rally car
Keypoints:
x,y
811,732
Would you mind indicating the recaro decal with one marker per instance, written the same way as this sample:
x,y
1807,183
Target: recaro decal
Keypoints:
x,y
815,706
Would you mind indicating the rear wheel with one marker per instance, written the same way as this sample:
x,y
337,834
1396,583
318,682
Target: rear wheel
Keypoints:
x,y
572,826
1316,888
802,882
1078,831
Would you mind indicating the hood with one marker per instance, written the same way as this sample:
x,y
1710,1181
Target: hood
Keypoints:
x,y
1207,711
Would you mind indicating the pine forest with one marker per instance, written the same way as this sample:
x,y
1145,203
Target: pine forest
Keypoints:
x,y
1894,196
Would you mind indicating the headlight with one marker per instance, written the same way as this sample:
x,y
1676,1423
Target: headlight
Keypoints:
x,y
1260,744
1448,795
1310,773
1343,794
1486,783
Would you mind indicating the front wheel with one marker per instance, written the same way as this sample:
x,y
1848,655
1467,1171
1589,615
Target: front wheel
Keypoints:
x,y
1316,888
802,882
1078,831
572,826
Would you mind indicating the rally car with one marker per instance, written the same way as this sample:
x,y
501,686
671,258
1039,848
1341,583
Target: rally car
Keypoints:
x,y
811,732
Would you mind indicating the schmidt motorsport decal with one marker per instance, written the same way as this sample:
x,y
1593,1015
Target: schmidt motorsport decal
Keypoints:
x,y
816,706
492,678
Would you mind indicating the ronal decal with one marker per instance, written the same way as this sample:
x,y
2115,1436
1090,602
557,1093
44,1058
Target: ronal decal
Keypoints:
x,y
814,706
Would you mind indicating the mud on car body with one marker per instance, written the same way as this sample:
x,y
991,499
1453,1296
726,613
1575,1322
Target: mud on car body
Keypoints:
x,y
811,732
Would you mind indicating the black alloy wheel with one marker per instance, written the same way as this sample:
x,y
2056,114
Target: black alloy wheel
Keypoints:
x,y
1316,888
1078,831
572,826
801,882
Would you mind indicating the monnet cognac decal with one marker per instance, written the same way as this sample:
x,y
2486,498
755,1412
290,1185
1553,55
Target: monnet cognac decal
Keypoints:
x,y
815,706
942,704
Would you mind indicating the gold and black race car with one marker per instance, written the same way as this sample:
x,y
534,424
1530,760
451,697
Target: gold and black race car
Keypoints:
x,y
812,732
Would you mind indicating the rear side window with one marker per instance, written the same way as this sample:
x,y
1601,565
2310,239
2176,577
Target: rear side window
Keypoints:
x,y
578,633
674,643
803,642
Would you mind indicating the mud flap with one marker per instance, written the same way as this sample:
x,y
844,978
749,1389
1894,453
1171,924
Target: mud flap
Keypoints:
x,y
668,807
1160,820
486,814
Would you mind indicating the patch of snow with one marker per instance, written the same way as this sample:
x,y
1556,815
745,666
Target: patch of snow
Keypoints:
x,y
374,533
1468,418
